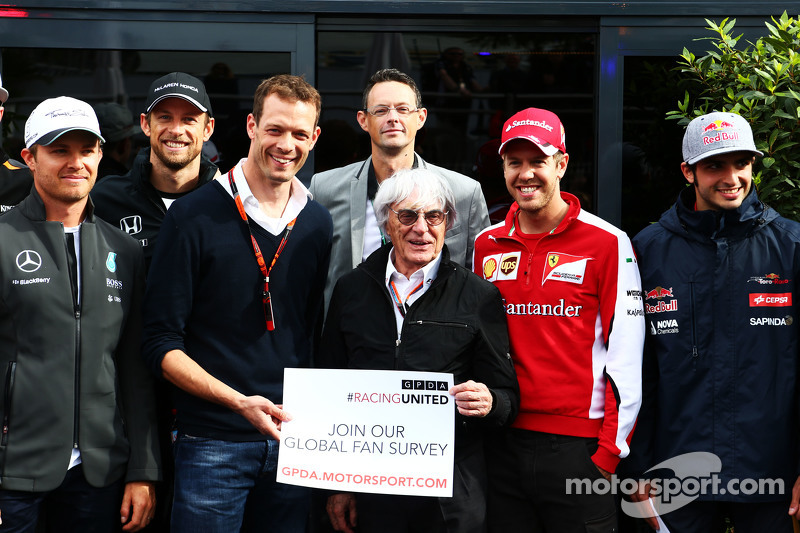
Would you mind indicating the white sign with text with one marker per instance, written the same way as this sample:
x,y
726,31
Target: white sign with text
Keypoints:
x,y
380,431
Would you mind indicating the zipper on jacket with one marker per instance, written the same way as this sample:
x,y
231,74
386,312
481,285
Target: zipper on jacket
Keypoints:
x,y
10,372
77,313
695,354
396,353
77,375
439,323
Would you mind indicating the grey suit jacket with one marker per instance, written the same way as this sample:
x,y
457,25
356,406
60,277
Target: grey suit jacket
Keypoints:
x,y
343,191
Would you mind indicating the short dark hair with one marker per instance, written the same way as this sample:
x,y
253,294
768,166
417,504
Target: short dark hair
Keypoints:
x,y
391,74
287,87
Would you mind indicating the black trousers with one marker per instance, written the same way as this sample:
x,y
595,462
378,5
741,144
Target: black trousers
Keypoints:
x,y
704,517
528,479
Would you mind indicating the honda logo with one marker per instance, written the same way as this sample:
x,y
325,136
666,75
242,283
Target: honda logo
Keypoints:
x,y
131,224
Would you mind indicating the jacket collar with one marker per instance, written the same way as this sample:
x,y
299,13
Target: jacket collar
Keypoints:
x,y
512,226
737,223
32,208
375,264
141,168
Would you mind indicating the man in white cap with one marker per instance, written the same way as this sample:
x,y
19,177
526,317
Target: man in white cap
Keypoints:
x,y
15,178
178,119
720,272
78,434
572,297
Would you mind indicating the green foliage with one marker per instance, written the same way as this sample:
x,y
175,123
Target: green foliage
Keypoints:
x,y
761,82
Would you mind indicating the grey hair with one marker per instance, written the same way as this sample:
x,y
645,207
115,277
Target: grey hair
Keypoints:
x,y
429,187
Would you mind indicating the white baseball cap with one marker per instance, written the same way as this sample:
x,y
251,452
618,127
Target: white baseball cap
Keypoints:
x,y
56,116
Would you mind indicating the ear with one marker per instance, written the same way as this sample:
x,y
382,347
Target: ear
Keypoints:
x,y
422,117
361,117
315,137
251,126
209,129
144,124
687,172
562,166
29,159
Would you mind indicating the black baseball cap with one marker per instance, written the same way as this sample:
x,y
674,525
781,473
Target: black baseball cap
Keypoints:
x,y
179,85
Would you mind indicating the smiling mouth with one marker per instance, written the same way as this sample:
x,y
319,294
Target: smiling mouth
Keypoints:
x,y
175,144
734,190
281,160
529,189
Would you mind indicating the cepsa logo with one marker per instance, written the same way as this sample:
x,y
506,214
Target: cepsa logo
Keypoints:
x,y
771,299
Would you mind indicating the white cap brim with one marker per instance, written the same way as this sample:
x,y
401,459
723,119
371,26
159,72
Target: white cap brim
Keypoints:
x,y
49,138
547,148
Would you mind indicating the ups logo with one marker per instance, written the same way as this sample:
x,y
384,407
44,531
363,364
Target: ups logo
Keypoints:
x,y
509,265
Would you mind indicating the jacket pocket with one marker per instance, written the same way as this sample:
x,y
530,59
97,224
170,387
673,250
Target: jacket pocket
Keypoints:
x,y
11,370
438,345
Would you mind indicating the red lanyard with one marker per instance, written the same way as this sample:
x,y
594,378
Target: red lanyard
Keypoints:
x,y
401,306
262,265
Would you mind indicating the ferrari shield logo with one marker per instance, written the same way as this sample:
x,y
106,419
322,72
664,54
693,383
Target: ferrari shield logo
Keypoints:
x,y
552,260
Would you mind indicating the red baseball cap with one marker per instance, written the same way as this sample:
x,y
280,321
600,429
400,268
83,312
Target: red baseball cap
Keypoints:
x,y
539,126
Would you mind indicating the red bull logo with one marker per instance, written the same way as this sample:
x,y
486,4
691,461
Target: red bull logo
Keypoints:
x,y
717,125
659,293
713,132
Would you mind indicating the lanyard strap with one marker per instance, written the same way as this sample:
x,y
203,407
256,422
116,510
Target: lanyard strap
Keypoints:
x,y
401,305
266,297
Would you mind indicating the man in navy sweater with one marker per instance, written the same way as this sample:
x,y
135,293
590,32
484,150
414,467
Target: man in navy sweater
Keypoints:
x,y
234,294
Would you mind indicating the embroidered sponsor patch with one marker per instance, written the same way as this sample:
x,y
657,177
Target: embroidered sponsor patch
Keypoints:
x,y
111,262
564,267
762,299
500,267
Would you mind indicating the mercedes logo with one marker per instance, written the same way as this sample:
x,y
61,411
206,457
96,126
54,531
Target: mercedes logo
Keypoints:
x,y
29,261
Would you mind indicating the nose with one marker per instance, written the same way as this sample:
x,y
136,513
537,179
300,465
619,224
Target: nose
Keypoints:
x,y
75,160
175,127
420,225
284,143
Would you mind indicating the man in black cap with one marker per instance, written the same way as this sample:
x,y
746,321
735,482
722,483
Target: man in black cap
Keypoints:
x,y
116,125
15,178
178,119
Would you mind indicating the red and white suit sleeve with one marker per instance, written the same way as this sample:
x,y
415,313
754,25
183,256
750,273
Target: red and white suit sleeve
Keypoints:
x,y
621,319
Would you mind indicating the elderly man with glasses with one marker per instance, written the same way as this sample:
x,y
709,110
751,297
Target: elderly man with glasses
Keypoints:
x,y
410,307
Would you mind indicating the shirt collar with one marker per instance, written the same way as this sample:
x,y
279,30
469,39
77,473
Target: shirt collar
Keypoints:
x,y
429,271
298,198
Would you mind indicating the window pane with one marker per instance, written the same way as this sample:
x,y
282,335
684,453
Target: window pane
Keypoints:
x,y
495,76
123,76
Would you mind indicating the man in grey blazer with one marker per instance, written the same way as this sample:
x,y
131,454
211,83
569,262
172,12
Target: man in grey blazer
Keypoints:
x,y
392,114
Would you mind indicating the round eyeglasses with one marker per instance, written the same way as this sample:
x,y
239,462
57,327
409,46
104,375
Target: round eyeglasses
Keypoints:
x,y
383,110
409,217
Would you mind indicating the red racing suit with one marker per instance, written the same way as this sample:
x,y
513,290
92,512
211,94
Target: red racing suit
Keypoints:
x,y
573,301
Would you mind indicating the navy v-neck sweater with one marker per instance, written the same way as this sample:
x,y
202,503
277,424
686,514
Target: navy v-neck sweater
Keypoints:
x,y
204,297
